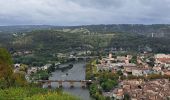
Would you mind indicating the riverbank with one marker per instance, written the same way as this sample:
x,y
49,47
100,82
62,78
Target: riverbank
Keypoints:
x,y
104,81
77,72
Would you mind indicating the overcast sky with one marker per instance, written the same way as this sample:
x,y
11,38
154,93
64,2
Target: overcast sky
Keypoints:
x,y
81,12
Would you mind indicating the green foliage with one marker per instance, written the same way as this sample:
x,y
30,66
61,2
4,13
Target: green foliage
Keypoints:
x,y
89,71
126,96
107,80
93,89
51,68
151,62
19,80
43,41
41,75
51,96
46,43
108,85
33,93
119,72
32,60
128,37
134,59
95,92
108,75
98,40
23,68
5,56
140,43
6,70
7,77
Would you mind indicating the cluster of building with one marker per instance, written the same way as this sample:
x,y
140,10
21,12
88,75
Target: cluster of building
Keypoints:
x,y
140,68
30,70
158,89
35,69
114,64
21,53
162,63
138,89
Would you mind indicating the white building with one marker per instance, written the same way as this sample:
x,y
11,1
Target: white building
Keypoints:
x,y
46,66
137,72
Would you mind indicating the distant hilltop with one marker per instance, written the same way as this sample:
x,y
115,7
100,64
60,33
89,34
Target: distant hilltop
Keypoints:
x,y
151,30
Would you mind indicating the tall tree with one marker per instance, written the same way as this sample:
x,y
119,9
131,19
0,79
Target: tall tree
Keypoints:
x,y
6,70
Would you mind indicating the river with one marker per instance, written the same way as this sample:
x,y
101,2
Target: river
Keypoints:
x,y
75,73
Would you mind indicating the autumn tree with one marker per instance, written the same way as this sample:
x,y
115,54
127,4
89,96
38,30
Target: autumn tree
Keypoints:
x,y
6,70
7,77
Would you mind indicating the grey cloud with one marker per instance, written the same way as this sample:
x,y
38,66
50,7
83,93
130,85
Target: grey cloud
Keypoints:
x,y
77,12
100,3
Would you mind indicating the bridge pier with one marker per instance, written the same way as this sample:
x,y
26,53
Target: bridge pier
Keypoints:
x,y
84,59
60,85
83,84
71,84
49,84
76,59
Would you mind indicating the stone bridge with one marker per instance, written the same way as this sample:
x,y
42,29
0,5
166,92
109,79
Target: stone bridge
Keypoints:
x,y
82,57
60,82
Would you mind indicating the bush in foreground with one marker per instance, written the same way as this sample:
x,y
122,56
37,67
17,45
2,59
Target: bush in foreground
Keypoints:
x,y
28,93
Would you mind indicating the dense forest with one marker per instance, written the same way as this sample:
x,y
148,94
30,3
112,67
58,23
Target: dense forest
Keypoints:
x,y
45,41
67,38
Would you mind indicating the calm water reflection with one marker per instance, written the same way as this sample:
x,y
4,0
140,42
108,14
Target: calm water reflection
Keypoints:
x,y
76,73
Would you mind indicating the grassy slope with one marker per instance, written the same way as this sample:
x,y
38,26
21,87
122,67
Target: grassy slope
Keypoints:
x,y
33,94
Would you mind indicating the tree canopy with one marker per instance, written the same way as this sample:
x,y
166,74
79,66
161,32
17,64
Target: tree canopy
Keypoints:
x,y
5,68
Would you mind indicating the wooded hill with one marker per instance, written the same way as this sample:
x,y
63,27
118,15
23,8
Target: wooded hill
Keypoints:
x,y
154,38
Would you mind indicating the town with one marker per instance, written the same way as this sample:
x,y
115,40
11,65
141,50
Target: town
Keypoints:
x,y
143,76
135,76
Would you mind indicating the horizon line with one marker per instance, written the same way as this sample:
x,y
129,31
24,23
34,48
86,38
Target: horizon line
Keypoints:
x,y
76,25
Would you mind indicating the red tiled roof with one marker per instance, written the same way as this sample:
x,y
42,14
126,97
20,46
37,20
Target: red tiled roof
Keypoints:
x,y
163,59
